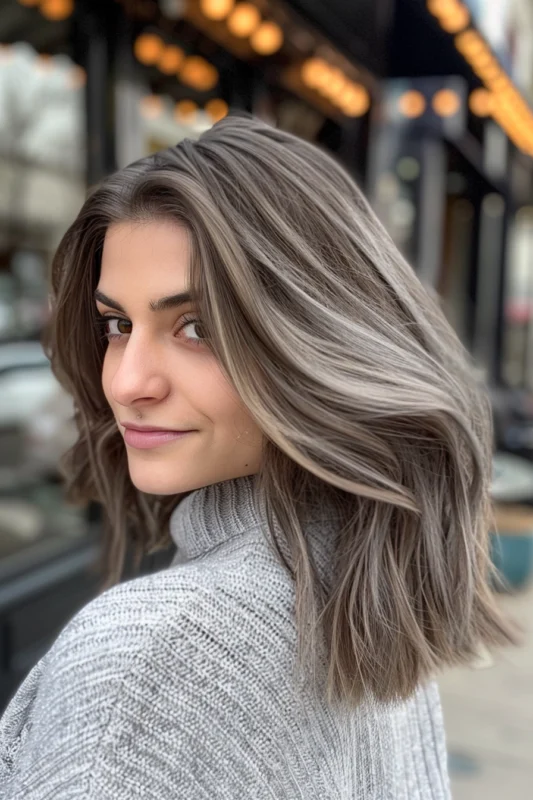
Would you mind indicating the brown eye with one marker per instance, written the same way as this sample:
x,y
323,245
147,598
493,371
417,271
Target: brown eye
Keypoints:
x,y
123,326
115,327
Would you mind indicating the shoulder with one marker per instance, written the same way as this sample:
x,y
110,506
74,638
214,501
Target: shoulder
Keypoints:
x,y
151,664
223,599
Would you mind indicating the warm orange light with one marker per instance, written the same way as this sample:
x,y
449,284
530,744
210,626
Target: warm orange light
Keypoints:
x,y
151,106
244,20
148,48
171,59
456,21
267,39
208,80
56,10
470,43
198,73
355,100
446,103
335,84
481,59
500,83
216,109
216,9
441,8
412,104
315,72
186,110
489,71
77,77
481,102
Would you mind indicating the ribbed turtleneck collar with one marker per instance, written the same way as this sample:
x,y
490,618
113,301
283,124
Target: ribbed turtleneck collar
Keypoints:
x,y
214,514
211,515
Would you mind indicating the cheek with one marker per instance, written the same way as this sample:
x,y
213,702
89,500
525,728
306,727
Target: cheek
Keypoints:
x,y
214,395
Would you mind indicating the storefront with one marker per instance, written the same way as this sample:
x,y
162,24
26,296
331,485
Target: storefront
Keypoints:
x,y
451,163
87,86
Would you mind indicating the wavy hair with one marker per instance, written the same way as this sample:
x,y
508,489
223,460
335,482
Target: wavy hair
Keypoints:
x,y
364,393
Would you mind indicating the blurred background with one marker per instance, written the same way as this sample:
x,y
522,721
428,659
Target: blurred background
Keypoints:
x,y
428,104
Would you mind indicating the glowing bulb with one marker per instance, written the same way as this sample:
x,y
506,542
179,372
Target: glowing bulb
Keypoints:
x,y
216,9
315,72
148,48
446,103
481,102
355,100
171,59
469,42
337,82
267,39
455,21
244,20
56,10
412,104
186,110
199,74
440,8
216,109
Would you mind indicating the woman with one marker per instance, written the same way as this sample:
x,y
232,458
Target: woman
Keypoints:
x,y
260,378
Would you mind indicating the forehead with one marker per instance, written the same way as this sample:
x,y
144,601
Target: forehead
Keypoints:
x,y
145,254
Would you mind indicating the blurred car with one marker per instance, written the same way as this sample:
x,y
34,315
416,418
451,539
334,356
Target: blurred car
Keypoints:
x,y
36,424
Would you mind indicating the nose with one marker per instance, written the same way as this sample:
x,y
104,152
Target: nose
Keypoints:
x,y
140,376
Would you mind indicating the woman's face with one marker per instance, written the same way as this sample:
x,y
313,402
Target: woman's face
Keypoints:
x,y
158,372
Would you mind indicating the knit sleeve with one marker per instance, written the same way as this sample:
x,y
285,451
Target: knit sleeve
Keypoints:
x,y
122,710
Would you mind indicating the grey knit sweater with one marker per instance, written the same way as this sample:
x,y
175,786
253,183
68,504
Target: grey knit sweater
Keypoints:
x,y
179,685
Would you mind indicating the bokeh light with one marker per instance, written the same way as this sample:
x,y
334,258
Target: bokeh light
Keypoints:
x,y
244,20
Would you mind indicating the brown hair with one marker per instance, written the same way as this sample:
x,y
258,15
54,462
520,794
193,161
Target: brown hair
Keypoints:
x,y
364,393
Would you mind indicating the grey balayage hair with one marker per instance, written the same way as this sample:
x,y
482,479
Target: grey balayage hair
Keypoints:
x,y
365,395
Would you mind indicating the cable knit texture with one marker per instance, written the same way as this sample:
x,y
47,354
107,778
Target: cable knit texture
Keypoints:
x,y
180,685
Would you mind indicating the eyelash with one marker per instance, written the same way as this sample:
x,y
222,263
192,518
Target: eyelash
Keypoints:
x,y
103,320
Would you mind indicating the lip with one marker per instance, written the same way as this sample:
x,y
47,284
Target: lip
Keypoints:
x,y
146,437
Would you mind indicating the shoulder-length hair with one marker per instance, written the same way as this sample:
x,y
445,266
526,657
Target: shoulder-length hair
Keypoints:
x,y
364,393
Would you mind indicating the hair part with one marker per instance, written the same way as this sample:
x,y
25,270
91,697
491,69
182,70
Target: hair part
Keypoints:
x,y
366,397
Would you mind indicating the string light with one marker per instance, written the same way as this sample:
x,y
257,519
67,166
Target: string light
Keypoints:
x,y
315,73
244,20
480,102
446,103
185,110
355,100
216,9
148,48
352,98
198,73
171,59
56,10
412,104
267,39
216,109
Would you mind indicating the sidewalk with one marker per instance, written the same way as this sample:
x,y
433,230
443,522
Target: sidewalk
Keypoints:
x,y
488,714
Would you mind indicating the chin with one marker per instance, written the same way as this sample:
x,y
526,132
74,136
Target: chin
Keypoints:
x,y
159,481
167,479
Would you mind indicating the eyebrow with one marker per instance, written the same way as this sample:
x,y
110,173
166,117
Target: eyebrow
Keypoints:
x,y
163,304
